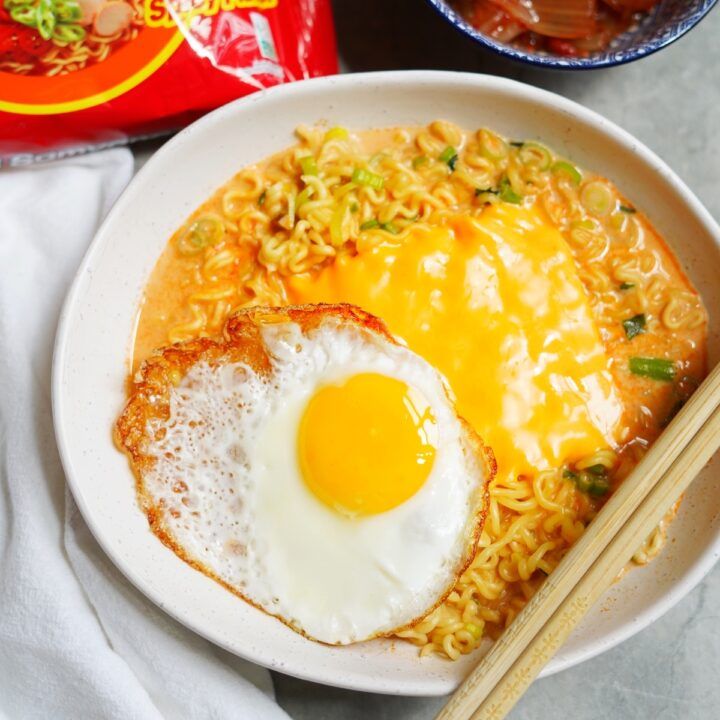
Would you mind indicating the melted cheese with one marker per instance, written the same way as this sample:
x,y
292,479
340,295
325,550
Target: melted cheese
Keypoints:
x,y
496,305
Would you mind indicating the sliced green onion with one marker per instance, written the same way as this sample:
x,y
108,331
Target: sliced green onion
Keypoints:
x,y
628,209
390,227
634,326
597,198
336,133
336,223
570,171
599,486
308,165
365,177
655,368
68,33
482,191
45,19
592,480
474,630
303,197
261,199
492,146
449,156
598,470
584,482
626,286
67,11
517,143
25,15
370,224
535,155
207,230
507,194
419,161
354,207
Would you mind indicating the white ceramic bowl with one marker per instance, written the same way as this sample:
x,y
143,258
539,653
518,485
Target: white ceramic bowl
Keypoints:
x,y
97,324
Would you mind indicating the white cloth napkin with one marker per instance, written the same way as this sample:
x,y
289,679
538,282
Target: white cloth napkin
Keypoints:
x,y
76,640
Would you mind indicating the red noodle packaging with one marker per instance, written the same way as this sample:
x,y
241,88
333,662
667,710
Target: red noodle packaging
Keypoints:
x,y
82,74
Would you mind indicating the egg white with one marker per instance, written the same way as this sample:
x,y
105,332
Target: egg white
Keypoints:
x,y
226,473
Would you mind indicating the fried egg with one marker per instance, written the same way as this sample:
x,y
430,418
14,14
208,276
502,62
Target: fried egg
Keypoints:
x,y
312,465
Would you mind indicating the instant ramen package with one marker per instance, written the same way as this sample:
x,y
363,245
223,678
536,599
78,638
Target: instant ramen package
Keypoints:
x,y
82,74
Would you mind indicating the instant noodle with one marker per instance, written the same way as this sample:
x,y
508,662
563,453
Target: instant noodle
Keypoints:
x,y
83,74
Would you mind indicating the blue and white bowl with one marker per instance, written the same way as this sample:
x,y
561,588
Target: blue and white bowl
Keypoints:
x,y
665,23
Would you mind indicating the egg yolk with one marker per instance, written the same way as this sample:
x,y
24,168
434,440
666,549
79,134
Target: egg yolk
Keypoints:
x,y
366,445
496,304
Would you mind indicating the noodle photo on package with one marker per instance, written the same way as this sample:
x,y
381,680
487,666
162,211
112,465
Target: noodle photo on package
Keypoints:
x,y
56,37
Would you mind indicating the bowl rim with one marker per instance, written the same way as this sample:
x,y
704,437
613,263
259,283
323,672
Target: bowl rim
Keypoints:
x,y
554,62
651,612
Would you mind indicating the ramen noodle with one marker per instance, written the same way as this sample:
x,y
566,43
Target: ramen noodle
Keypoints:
x,y
370,217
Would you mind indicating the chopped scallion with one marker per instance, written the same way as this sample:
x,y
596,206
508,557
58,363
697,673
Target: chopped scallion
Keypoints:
x,y
474,630
449,156
535,155
655,368
570,171
628,209
592,480
303,197
599,486
419,161
390,227
336,224
597,198
370,179
507,194
206,231
584,482
482,191
597,470
370,224
626,285
308,165
261,199
492,146
24,14
336,133
634,326
517,143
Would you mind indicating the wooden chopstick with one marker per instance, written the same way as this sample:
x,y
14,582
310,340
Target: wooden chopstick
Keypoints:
x,y
591,565
582,597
